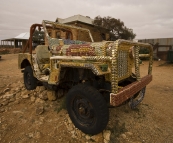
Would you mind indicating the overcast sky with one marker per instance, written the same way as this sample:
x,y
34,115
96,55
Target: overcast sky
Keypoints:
x,y
147,18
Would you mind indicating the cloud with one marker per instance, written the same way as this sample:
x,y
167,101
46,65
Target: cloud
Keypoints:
x,y
148,19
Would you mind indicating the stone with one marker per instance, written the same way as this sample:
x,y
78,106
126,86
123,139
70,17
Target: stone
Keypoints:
x,y
32,98
30,135
98,138
123,136
106,135
16,102
25,96
87,137
51,95
38,100
8,96
42,88
17,89
69,121
43,95
37,89
70,127
4,103
18,95
39,110
105,141
26,92
11,100
129,133
6,90
79,134
2,110
37,135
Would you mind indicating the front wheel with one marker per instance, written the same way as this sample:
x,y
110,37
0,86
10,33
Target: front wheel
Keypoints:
x,y
29,80
137,98
87,109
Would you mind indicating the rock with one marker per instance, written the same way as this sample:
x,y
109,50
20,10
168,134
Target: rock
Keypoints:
x,y
11,100
79,134
26,92
69,121
18,95
123,136
2,110
8,96
70,127
38,100
30,135
17,112
87,137
105,141
25,96
42,88
37,135
37,89
5,103
106,135
51,95
129,133
6,90
43,95
98,138
32,98
17,89
16,102
39,110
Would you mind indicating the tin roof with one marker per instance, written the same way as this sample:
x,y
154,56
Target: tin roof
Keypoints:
x,y
81,18
23,36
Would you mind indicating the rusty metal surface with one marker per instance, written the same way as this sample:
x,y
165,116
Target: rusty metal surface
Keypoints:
x,y
129,90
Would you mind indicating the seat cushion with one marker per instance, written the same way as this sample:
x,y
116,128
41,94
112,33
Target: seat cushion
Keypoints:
x,y
42,54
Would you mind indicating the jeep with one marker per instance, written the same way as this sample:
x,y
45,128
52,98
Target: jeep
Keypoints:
x,y
96,75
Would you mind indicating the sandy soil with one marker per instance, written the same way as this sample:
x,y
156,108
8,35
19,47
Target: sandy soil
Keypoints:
x,y
150,122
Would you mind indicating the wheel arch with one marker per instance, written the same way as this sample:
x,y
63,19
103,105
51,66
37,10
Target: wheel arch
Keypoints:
x,y
25,63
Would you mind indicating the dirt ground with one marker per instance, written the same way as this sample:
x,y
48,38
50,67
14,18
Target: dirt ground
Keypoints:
x,y
150,122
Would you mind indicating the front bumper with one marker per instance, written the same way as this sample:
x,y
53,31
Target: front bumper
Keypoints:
x,y
129,90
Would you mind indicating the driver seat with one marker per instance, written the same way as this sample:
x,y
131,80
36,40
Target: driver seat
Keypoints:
x,y
43,57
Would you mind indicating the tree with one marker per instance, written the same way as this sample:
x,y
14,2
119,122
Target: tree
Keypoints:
x,y
38,37
116,27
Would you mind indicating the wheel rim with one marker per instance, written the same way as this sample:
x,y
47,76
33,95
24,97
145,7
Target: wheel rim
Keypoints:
x,y
83,111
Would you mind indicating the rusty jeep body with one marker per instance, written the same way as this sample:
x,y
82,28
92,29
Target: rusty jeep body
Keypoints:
x,y
95,74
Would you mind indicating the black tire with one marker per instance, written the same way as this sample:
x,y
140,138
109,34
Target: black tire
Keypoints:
x,y
87,109
137,98
29,80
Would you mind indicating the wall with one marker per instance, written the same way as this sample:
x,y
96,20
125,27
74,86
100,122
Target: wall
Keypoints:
x,y
80,35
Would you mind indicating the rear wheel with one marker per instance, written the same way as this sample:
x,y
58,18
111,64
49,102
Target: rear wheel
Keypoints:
x,y
87,109
29,80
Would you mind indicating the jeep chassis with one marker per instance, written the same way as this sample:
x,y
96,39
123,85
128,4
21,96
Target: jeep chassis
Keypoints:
x,y
95,74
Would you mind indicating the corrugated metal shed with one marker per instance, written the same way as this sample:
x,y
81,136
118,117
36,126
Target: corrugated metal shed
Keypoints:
x,y
160,41
161,46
